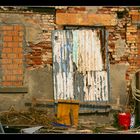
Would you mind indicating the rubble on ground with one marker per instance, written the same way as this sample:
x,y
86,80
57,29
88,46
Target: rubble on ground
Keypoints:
x,y
30,117
40,121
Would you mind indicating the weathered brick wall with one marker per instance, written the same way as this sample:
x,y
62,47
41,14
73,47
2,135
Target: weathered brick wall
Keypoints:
x,y
23,49
122,26
79,16
41,52
127,29
26,57
11,55
34,49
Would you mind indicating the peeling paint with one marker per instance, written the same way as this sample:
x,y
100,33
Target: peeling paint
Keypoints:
x,y
78,66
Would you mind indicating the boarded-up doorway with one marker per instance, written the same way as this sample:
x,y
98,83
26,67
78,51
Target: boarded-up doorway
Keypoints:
x,y
80,69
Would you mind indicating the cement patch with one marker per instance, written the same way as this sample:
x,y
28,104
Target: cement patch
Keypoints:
x,y
118,84
40,84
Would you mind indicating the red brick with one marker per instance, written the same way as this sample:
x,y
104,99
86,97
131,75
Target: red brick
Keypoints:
x,y
36,53
9,78
131,39
6,50
6,61
61,11
16,66
48,62
8,72
15,38
18,71
18,83
139,51
20,44
33,57
5,44
20,77
36,59
37,49
21,34
112,45
127,77
7,27
17,50
131,36
27,56
18,38
71,10
135,18
80,8
38,62
30,62
7,38
11,33
12,77
16,44
11,66
12,44
12,56
138,62
18,27
17,61
134,12
7,83
134,52
1,44
20,56
3,55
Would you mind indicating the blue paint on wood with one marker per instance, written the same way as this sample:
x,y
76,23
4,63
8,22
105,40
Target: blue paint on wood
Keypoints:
x,y
75,47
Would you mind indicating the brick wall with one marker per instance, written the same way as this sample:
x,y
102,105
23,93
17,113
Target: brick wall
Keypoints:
x,y
34,42
79,16
25,57
122,24
38,29
26,45
126,30
41,52
11,55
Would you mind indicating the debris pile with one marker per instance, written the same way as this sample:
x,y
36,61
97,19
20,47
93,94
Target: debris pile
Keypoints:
x,y
30,117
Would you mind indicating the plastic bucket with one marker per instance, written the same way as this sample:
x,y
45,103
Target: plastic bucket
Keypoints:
x,y
124,120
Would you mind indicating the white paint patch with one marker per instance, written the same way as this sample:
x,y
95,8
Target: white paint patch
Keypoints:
x,y
88,60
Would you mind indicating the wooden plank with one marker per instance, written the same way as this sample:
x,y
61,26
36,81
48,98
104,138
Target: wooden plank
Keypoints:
x,y
67,113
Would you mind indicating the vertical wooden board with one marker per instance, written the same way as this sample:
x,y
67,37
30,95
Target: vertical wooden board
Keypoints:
x,y
66,111
75,108
63,112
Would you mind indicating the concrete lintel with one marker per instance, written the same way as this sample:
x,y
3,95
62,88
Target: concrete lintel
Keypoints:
x,y
89,19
